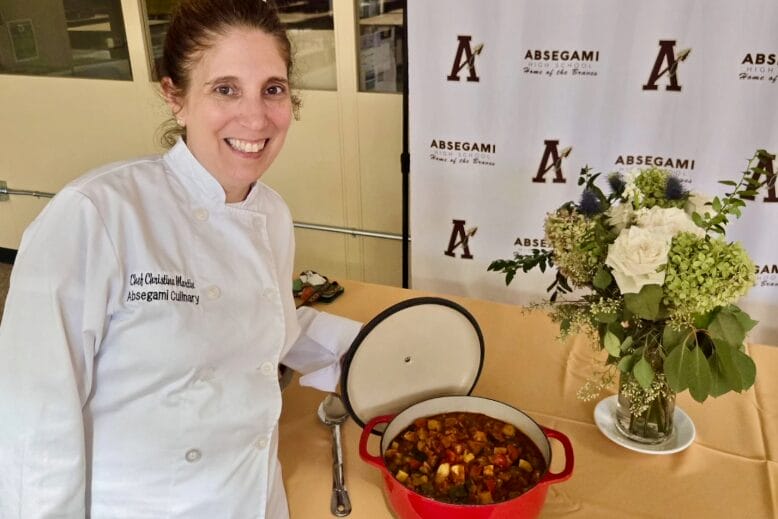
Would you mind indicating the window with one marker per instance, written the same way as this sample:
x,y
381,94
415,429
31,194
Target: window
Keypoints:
x,y
67,38
380,45
310,27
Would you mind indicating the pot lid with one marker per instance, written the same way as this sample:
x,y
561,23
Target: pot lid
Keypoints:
x,y
415,350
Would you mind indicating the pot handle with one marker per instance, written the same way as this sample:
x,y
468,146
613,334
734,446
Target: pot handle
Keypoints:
x,y
376,461
558,477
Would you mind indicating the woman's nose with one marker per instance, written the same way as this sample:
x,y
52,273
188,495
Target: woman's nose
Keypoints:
x,y
253,113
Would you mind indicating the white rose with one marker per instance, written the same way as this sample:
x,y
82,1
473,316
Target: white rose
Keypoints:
x,y
696,204
667,221
635,256
620,216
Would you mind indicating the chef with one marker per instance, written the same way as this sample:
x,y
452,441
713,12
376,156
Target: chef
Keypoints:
x,y
150,304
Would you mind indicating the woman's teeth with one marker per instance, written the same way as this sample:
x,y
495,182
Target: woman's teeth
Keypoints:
x,y
246,146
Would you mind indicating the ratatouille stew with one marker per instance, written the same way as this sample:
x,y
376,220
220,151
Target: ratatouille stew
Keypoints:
x,y
465,458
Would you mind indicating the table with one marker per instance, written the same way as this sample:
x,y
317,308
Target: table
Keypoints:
x,y
731,469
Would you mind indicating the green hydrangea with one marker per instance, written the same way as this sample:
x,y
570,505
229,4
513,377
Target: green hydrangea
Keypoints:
x,y
652,183
703,273
577,249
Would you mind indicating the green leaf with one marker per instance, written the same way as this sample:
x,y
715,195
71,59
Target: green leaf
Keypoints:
x,y
645,304
626,344
728,182
727,327
675,368
643,373
738,368
699,375
602,278
671,337
628,362
697,219
719,384
702,321
616,329
743,318
612,344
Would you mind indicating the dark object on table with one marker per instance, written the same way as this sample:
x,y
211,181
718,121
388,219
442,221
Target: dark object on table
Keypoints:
x,y
311,286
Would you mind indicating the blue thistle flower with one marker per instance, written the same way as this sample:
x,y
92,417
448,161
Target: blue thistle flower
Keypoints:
x,y
674,189
616,181
590,204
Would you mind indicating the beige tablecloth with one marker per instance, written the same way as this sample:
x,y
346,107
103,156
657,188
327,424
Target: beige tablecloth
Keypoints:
x,y
730,471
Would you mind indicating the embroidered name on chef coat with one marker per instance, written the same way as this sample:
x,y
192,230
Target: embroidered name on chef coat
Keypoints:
x,y
150,286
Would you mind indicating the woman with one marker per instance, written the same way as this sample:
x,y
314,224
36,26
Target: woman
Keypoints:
x,y
150,305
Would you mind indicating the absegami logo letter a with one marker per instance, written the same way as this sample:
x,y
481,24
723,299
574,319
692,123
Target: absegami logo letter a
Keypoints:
x,y
465,57
666,56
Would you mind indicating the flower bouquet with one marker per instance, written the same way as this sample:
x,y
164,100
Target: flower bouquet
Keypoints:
x,y
647,271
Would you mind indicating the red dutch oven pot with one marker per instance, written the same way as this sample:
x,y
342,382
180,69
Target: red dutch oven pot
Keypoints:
x,y
411,505
422,357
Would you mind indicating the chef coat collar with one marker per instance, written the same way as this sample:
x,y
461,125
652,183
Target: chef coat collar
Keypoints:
x,y
196,178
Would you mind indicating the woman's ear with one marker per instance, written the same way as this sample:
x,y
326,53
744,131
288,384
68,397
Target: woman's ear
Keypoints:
x,y
172,96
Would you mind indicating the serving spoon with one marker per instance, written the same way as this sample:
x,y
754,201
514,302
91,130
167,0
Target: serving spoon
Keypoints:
x,y
332,413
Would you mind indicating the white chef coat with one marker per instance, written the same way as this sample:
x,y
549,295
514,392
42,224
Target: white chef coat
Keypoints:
x,y
139,349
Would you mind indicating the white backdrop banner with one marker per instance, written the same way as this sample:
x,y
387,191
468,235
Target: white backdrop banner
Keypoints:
x,y
509,99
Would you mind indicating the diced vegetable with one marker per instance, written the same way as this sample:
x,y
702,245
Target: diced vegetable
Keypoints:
x,y
442,473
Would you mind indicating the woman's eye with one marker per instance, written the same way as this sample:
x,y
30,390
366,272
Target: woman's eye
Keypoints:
x,y
225,90
275,90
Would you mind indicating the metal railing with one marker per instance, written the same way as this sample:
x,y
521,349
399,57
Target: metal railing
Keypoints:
x,y
5,191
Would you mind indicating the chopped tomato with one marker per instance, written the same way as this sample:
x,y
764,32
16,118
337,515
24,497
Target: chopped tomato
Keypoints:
x,y
413,463
451,456
514,452
501,460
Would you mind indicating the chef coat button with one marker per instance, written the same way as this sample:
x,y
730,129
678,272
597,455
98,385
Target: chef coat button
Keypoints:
x,y
269,293
193,455
201,214
214,292
261,443
268,368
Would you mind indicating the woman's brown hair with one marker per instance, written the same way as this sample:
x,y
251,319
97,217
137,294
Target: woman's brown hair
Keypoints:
x,y
193,27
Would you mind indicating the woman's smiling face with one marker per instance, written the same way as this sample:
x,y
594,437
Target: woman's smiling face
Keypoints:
x,y
237,108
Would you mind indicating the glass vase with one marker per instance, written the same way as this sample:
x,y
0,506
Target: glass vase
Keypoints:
x,y
645,415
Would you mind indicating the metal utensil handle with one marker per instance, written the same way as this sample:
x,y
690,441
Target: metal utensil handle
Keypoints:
x,y
340,504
